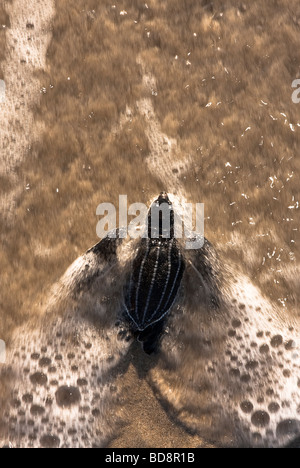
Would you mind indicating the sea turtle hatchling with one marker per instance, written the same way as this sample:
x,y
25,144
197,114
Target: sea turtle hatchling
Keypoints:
x,y
154,273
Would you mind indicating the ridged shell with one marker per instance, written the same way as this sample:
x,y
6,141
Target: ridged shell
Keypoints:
x,y
155,279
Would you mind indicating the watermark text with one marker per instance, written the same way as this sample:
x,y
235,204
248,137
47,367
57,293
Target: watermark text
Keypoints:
x,y
296,93
161,221
2,91
2,352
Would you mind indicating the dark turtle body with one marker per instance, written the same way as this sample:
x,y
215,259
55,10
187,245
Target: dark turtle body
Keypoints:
x,y
155,277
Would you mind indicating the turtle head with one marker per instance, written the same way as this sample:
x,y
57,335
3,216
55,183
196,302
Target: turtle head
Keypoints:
x,y
163,198
161,218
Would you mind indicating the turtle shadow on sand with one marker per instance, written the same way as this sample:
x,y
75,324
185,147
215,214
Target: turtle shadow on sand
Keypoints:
x,y
143,363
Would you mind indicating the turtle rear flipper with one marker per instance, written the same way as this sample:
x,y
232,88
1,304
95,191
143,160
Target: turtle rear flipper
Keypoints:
x,y
150,337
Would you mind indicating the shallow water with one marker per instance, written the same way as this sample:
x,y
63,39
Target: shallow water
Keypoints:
x,y
196,99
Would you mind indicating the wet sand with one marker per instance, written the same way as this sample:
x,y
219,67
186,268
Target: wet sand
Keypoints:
x,y
27,40
134,99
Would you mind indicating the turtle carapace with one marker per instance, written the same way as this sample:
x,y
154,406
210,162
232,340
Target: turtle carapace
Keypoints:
x,y
155,276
